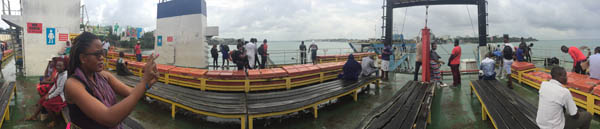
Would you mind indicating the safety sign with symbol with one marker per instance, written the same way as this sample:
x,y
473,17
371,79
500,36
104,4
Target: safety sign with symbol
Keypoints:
x,y
50,36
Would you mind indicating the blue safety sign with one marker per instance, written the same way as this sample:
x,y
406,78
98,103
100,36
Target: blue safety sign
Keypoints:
x,y
159,40
50,36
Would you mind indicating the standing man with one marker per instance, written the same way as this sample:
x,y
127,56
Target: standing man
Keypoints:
x,y
530,52
508,57
215,55
526,50
225,52
251,53
418,62
239,57
498,58
520,54
555,100
313,52
106,46
577,57
302,53
385,61
138,52
262,51
455,63
595,64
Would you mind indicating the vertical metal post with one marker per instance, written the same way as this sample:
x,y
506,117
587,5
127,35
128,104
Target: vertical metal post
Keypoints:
x,y
482,21
3,13
389,23
426,73
8,7
383,7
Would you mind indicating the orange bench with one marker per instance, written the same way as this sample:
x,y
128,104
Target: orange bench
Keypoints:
x,y
520,66
163,70
189,77
542,75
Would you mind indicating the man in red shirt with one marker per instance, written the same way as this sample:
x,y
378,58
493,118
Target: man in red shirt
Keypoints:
x,y
138,52
577,57
454,62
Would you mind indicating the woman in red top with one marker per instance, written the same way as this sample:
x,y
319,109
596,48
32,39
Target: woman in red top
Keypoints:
x,y
454,63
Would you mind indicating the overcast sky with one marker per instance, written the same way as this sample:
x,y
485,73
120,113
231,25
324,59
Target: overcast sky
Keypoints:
x,y
360,19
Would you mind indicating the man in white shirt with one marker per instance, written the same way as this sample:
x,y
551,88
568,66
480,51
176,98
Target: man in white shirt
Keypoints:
x,y
251,52
595,64
555,100
487,68
507,58
105,46
418,60
368,66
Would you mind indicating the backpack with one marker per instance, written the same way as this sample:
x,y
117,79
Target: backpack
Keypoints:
x,y
261,50
235,56
508,53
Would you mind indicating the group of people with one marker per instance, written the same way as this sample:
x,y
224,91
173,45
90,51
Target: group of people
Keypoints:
x,y
313,48
582,64
78,82
352,70
224,50
246,55
556,107
435,61
50,89
504,55
587,65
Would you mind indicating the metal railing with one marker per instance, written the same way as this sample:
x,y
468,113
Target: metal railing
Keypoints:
x,y
11,12
293,56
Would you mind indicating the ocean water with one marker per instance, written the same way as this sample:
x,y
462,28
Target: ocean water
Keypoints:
x,y
286,52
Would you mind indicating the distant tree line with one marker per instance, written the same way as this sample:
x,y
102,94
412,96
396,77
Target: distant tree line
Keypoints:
x,y
147,41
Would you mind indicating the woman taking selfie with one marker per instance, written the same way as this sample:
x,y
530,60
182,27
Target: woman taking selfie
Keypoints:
x,y
91,92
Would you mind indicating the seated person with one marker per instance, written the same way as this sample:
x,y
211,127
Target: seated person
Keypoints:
x,y
595,64
556,108
50,74
487,68
47,81
351,69
368,66
122,66
54,100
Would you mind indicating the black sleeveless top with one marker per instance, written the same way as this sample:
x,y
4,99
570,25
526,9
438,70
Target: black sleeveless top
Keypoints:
x,y
79,118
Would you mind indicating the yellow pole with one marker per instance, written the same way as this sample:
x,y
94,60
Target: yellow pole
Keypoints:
x,y
243,121
173,111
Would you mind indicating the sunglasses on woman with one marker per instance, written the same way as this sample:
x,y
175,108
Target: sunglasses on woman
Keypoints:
x,y
98,53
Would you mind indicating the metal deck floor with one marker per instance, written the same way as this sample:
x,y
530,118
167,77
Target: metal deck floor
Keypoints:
x,y
453,108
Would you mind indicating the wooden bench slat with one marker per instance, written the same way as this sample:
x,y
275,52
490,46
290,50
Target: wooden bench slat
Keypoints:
x,y
506,108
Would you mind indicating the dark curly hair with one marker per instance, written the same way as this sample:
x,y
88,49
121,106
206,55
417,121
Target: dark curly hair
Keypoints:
x,y
80,44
